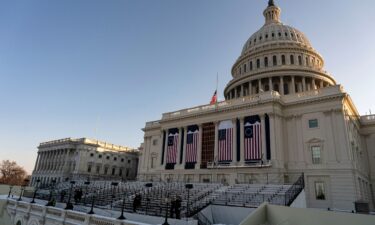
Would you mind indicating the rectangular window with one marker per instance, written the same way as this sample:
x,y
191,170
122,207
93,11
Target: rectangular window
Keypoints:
x,y
316,154
155,142
97,169
313,123
89,168
320,191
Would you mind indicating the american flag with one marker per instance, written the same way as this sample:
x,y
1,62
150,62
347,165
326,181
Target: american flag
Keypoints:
x,y
253,141
225,141
172,147
192,144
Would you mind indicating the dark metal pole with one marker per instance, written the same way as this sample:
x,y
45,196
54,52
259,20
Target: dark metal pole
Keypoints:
x,y
87,183
122,217
36,189
92,205
68,204
23,186
20,197
10,190
166,213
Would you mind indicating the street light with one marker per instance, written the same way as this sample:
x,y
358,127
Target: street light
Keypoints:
x,y
166,200
188,187
68,204
52,186
36,189
23,188
122,217
10,190
114,184
87,183
92,203
148,185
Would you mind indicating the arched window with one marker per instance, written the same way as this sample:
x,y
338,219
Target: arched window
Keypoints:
x,y
258,63
292,59
300,60
283,60
251,65
266,61
274,60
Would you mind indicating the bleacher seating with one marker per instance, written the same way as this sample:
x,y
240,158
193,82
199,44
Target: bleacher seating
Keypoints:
x,y
109,196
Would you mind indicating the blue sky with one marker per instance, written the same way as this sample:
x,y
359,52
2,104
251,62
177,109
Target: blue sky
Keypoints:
x,y
101,69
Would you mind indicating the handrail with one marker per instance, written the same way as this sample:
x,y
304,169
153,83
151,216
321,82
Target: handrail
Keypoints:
x,y
292,193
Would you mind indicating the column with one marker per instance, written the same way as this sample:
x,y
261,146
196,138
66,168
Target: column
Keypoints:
x,y
66,161
184,147
321,84
293,88
281,88
272,122
313,84
250,88
216,141
179,146
165,148
234,142
241,95
235,92
303,84
36,162
39,167
263,130
270,84
199,152
260,85
242,141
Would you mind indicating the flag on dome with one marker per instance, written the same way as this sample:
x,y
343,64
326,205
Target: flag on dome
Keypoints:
x,y
214,98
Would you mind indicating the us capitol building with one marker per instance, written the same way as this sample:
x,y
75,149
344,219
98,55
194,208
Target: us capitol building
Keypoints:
x,y
283,115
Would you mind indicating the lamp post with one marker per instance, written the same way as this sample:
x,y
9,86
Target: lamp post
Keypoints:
x,y
92,204
68,204
166,211
23,189
87,183
10,191
148,185
114,184
188,187
36,189
122,217
52,186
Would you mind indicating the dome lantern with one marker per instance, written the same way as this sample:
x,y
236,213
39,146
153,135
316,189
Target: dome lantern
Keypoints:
x,y
272,13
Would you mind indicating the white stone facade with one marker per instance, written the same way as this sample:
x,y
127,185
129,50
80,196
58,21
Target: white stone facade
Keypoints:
x,y
83,159
309,125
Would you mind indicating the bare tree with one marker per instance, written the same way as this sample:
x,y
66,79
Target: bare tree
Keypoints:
x,y
11,173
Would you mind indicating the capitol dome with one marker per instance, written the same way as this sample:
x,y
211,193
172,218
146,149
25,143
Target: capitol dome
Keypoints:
x,y
278,58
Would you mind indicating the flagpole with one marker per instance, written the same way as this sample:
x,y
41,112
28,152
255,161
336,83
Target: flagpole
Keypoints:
x,y
217,84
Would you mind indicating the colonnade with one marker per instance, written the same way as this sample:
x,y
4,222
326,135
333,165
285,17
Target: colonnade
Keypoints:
x,y
52,160
283,84
181,164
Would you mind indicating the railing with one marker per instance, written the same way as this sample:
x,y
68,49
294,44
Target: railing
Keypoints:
x,y
292,193
261,97
223,105
368,119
